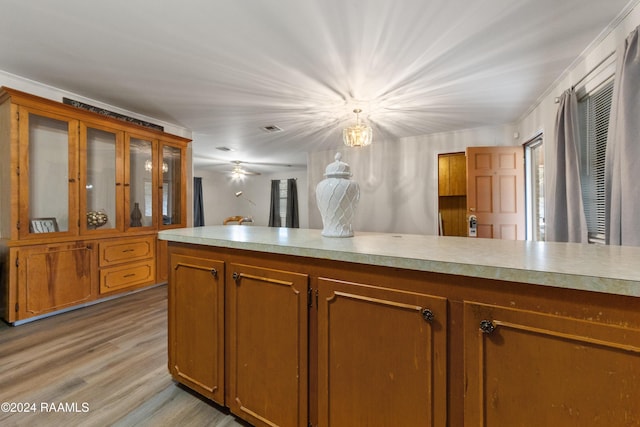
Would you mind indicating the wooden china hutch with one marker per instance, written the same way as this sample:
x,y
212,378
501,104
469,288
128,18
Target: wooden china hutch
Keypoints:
x,y
83,197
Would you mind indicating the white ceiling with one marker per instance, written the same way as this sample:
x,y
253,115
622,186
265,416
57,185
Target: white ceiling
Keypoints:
x,y
226,68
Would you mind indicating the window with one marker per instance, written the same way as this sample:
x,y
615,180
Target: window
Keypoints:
x,y
284,197
594,109
534,188
283,201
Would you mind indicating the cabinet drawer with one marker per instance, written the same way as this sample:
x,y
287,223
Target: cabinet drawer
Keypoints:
x,y
126,250
125,276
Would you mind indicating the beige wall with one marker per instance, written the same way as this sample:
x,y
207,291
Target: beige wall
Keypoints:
x,y
399,179
220,201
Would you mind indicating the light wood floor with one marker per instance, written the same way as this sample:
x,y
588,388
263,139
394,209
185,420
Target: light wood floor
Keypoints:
x,y
112,357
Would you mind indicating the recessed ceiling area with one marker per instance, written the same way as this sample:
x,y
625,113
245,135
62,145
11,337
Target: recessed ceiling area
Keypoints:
x,y
226,70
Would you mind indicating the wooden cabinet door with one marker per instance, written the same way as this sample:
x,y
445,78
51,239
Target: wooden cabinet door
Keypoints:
x,y
196,324
101,179
495,191
48,175
443,175
53,277
531,369
267,345
172,183
457,174
141,182
381,356
452,174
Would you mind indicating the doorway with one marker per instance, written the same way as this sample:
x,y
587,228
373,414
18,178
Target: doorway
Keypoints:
x,y
452,194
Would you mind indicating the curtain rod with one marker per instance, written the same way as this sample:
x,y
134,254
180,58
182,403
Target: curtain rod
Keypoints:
x,y
605,59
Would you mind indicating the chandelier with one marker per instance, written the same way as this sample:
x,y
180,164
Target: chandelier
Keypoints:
x,y
358,135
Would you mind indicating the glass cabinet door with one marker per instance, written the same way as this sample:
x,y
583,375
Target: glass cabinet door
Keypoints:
x,y
172,199
140,181
101,183
49,174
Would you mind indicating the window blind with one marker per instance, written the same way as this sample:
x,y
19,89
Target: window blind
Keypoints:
x,y
594,112
283,201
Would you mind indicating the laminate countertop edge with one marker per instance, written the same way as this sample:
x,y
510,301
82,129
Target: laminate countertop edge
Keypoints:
x,y
597,268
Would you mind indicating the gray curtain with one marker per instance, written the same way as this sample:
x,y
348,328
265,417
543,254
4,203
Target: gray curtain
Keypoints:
x,y
292,220
198,206
274,211
622,164
566,220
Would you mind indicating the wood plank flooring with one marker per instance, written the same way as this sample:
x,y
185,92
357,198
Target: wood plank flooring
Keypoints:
x,y
107,363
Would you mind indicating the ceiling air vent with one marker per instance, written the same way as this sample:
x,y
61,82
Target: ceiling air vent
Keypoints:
x,y
271,129
224,149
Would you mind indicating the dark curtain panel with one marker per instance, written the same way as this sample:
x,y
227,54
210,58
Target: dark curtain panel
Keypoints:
x,y
198,206
292,220
274,211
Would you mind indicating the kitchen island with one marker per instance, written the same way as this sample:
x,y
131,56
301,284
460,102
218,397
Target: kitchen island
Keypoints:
x,y
286,327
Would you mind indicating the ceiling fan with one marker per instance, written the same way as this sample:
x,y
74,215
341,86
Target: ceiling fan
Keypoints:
x,y
239,168
239,171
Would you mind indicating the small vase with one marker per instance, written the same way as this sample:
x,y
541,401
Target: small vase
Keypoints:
x,y
337,196
136,216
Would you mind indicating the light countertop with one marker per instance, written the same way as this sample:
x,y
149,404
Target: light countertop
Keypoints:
x,y
599,268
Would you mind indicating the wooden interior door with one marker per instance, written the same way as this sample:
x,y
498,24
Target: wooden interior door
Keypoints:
x,y
381,358
524,368
495,191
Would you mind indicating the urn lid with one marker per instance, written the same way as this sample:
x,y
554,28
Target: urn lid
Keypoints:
x,y
338,169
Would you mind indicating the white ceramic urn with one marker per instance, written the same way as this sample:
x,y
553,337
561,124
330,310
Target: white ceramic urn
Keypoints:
x,y
337,196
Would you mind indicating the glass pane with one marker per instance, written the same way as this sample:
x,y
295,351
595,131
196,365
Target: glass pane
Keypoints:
x,y
101,179
534,156
283,201
48,174
537,178
140,183
171,176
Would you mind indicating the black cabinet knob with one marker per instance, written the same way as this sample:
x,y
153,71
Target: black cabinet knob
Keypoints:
x,y
487,326
428,315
